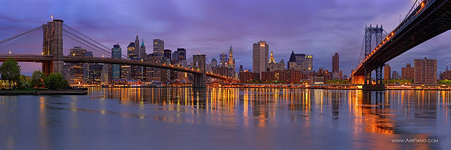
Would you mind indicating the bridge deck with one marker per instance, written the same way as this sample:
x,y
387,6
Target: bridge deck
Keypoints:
x,y
431,19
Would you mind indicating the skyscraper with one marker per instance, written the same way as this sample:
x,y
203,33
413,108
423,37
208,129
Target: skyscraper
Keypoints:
x,y
142,51
396,75
167,54
116,68
158,46
407,72
387,72
260,52
425,71
181,53
131,49
137,50
335,63
231,61
223,59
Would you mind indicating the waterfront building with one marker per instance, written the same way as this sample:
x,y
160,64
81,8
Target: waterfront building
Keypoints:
x,y
387,72
153,74
248,76
105,77
130,49
241,68
260,57
126,72
135,70
283,76
93,73
116,68
407,72
425,71
74,73
158,46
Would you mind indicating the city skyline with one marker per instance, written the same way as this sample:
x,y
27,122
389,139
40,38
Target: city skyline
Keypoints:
x,y
304,27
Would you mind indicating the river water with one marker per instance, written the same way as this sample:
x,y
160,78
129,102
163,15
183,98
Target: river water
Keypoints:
x,y
227,118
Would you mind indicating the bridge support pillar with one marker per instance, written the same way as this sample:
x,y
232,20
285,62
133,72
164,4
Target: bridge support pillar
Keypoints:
x,y
379,77
200,80
53,46
358,79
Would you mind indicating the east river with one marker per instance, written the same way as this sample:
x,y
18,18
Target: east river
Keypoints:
x,y
227,118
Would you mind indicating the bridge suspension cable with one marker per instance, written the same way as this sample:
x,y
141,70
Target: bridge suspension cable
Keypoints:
x,y
86,44
105,48
98,49
19,35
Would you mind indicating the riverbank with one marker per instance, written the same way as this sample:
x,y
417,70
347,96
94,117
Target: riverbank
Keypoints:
x,y
44,92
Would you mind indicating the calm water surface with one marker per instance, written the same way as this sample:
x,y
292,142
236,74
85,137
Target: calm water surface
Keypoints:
x,y
218,118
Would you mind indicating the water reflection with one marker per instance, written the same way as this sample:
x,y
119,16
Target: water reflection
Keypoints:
x,y
323,119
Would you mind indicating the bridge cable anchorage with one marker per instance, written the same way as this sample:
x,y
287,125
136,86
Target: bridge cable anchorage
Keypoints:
x,y
19,35
124,56
98,48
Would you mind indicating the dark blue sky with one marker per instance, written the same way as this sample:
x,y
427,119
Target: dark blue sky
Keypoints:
x,y
319,28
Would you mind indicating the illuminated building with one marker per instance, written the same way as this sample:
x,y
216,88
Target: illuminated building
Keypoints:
x,y
223,60
158,46
301,62
181,54
130,49
142,50
273,65
74,73
260,57
396,75
247,76
425,71
335,63
285,76
116,68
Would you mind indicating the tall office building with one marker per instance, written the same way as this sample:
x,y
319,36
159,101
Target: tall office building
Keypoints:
x,y
387,72
158,46
75,70
273,65
167,54
260,58
407,72
116,68
181,53
131,49
223,59
175,57
231,61
137,50
425,71
335,63
142,51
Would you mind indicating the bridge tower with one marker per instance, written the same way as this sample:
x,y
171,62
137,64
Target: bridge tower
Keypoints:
x,y
53,46
200,79
370,33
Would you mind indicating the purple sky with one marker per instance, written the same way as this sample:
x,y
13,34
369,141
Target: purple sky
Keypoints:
x,y
318,27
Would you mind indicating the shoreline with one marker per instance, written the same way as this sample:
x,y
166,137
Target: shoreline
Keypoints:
x,y
45,92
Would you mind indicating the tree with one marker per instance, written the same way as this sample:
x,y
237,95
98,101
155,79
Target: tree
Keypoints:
x,y
24,83
36,78
10,70
55,81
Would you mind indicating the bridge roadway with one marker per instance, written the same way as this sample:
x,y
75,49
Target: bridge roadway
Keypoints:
x,y
42,58
428,20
